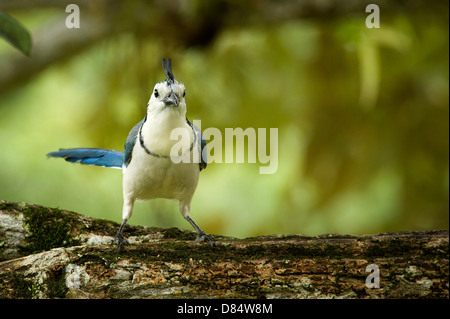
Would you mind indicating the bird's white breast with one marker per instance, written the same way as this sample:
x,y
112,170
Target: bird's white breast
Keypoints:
x,y
149,176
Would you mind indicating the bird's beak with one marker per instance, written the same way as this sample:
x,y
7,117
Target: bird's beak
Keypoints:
x,y
171,99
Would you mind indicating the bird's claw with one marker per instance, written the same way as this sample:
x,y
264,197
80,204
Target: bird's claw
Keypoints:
x,y
206,238
120,241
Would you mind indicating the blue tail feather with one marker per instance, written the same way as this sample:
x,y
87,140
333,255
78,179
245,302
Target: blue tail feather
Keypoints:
x,y
91,156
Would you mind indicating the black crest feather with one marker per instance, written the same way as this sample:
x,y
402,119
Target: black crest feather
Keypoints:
x,y
167,67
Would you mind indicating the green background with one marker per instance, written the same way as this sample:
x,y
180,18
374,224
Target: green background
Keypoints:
x,y
362,118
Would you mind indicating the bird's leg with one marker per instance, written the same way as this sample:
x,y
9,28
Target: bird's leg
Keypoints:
x,y
201,235
128,204
119,239
185,208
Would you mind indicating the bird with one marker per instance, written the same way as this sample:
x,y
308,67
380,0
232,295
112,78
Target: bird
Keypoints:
x,y
152,167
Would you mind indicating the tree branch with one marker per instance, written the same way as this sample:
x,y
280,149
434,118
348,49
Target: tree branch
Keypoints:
x,y
167,263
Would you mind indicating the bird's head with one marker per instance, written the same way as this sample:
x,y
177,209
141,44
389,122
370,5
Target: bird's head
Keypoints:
x,y
168,94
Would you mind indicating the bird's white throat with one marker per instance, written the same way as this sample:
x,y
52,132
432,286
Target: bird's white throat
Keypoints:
x,y
157,130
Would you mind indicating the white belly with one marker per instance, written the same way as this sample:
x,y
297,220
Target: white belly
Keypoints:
x,y
148,177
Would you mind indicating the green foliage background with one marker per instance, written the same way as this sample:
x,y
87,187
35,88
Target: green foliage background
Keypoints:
x,y
362,118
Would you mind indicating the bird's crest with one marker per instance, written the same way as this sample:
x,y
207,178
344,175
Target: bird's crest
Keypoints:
x,y
167,67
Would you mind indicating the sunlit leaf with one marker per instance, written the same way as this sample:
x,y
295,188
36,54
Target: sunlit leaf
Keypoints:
x,y
15,33
369,71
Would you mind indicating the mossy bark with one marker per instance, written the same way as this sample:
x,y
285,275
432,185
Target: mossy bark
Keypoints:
x,y
75,258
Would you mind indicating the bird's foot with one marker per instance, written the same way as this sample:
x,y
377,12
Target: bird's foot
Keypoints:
x,y
206,238
120,241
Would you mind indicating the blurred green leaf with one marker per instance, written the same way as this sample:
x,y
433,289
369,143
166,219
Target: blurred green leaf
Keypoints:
x,y
362,117
15,33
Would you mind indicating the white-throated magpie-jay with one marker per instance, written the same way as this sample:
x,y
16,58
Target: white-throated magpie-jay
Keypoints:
x,y
154,164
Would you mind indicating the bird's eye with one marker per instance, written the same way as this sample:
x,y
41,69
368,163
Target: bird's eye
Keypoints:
x,y
184,93
156,93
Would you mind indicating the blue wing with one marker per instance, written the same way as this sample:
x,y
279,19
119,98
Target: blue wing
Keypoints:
x,y
204,159
132,136
131,140
91,156
115,159
100,156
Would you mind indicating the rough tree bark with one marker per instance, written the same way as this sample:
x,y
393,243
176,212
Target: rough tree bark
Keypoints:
x,y
52,253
